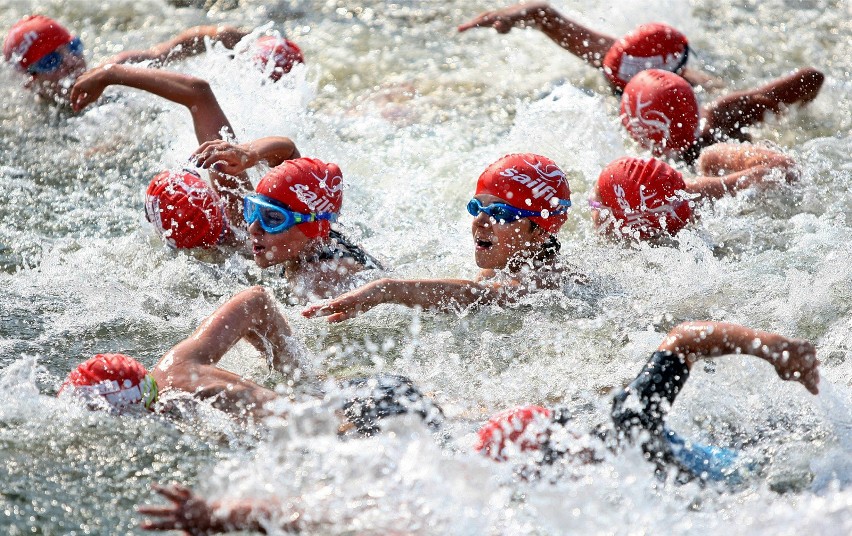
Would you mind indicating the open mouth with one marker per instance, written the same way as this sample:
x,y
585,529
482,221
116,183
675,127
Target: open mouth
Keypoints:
x,y
257,249
483,244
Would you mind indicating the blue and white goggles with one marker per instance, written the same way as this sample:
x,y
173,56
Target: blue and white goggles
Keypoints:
x,y
276,218
52,61
504,213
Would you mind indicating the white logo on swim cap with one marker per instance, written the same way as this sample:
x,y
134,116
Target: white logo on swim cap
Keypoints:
x,y
543,184
644,216
646,122
22,49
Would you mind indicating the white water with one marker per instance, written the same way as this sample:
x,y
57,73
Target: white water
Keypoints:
x,y
412,112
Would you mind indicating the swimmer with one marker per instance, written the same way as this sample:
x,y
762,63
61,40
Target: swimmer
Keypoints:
x,y
653,45
638,415
660,111
52,59
521,201
119,382
639,410
648,199
289,217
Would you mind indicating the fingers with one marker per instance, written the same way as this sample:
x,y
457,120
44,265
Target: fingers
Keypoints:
x,y
173,492
485,20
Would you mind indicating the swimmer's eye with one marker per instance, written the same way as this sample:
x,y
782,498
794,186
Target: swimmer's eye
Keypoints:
x,y
272,217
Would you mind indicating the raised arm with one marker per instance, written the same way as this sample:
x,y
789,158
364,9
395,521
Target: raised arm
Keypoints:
x,y
727,116
190,42
194,93
430,294
726,168
192,364
583,42
793,359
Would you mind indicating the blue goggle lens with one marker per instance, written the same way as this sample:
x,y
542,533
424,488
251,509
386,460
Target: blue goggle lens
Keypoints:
x,y
274,219
52,61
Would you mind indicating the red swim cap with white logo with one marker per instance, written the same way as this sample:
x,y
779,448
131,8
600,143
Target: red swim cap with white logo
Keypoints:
x,y
650,46
660,111
306,185
644,197
513,427
33,38
185,210
118,378
530,182
283,54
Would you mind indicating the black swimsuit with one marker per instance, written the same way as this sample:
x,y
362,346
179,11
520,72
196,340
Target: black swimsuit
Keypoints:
x,y
341,248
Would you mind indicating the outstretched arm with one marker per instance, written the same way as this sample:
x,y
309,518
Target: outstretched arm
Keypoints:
x,y
728,115
430,294
198,516
188,43
194,93
192,364
583,42
793,359
726,168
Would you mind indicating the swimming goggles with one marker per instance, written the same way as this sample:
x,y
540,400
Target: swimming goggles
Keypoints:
x,y
507,213
52,61
275,218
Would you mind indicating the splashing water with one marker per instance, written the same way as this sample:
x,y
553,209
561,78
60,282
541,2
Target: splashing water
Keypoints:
x,y
413,112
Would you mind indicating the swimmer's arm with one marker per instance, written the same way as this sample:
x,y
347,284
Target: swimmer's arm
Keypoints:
x,y
190,511
727,168
253,315
793,359
194,93
728,115
430,294
573,37
701,79
232,158
190,42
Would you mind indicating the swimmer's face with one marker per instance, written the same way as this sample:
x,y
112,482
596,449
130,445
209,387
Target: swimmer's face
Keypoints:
x,y
271,249
496,244
56,85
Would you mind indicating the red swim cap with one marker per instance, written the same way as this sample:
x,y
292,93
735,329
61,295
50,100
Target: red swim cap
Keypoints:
x,y
650,46
660,111
306,185
120,379
531,182
185,210
33,38
511,427
283,53
643,196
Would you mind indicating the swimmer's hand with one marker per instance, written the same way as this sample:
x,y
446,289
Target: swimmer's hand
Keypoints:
x,y
503,20
349,305
795,360
225,157
89,87
188,512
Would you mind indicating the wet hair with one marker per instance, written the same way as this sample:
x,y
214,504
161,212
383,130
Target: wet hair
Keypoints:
x,y
387,395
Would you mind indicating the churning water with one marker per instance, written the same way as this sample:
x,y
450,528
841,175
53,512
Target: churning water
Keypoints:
x,y
412,112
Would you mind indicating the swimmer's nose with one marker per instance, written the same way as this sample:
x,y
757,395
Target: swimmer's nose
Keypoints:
x,y
482,220
255,229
